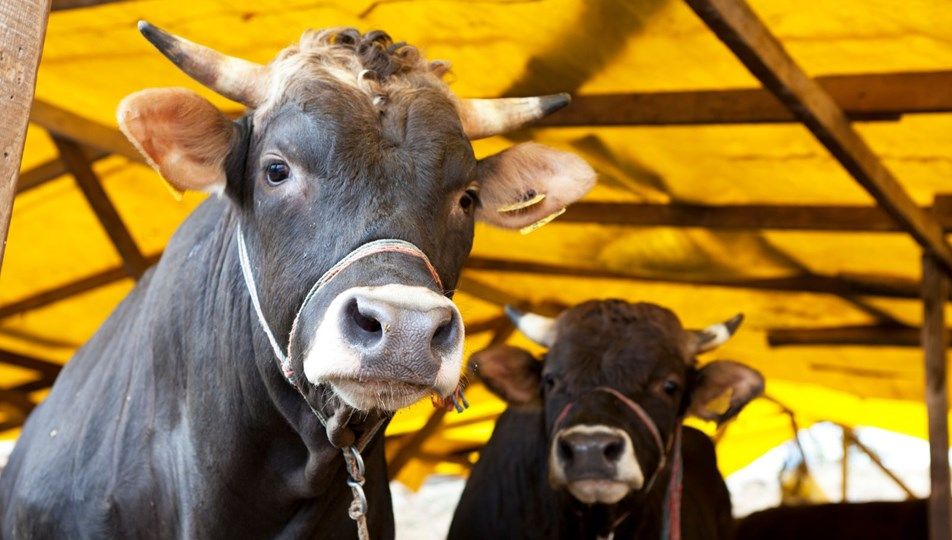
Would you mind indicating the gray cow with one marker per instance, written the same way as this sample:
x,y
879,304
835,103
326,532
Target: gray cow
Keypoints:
x,y
231,393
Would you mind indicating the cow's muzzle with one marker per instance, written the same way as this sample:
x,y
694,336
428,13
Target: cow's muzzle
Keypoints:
x,y
595,463
385,347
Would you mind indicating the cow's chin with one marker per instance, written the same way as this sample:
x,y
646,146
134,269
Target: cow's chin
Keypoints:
x,y
378,394
592,491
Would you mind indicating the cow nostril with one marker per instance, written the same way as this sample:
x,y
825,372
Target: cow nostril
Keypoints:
x,y
613,450
364,322
445,334
565,451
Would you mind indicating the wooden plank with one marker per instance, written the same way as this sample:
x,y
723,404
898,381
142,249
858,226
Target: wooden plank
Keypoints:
x,y
61,5
51,170
837,218
746,35
75,161
867,336
22,30
887,286
70,125
44,367
61,292
845,464
874,457
935,339
486,292
880,96
864,285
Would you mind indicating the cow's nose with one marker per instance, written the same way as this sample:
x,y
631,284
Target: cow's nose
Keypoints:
x,y
589,454
374,323
387,346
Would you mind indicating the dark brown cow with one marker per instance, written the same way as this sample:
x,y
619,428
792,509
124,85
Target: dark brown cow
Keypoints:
x,y
592,444
878,520
344,210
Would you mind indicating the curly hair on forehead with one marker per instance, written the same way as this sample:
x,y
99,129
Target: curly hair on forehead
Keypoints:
x,y
372,61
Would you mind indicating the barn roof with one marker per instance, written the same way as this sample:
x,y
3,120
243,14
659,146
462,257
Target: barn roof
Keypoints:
x,y
711,201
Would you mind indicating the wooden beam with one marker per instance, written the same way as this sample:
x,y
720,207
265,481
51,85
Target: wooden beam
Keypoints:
x,y
70,125
61,5
751,41
874,457
881,96
486,292
839,218
935,339
22,30
845,463
61,292
45,367
75,161
51,170
19,401
887,286
867,336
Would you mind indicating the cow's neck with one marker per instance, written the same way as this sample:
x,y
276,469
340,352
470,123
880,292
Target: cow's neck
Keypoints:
x,y
259,431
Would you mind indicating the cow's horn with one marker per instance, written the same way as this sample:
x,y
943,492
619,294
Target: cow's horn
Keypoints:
x,y
535,327
487,117
234,78
715,335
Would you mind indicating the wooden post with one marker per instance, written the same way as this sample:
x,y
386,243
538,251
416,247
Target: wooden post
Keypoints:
x,y
935,291
845,463
22,29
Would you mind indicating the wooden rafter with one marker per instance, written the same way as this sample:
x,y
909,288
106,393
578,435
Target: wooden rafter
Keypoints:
x,y
867,336
935,340
50,170
80,129
61,5
45,368
751,41
62,292
844,218
885,96
22,29
843,285
75,161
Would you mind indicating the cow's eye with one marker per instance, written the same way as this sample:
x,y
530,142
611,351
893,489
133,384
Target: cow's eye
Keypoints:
x,y
468,200
548,381
277,172
670,387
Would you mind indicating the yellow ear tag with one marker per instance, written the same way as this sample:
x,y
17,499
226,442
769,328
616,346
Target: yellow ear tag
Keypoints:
x,y
529,228
522,204
722,403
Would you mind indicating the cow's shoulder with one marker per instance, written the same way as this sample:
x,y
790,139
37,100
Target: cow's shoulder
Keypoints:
x,y
507,494
706,508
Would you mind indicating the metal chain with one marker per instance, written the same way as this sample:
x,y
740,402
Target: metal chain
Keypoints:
x,y
358,506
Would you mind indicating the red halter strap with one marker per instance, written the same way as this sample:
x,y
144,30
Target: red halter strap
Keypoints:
x,y
671,529
650,425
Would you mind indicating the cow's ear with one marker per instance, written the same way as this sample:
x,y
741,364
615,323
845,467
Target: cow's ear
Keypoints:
x,y
723,388
529,184
182,135
509,372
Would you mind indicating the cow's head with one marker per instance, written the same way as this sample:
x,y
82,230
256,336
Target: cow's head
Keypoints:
x,y
351,138
601,355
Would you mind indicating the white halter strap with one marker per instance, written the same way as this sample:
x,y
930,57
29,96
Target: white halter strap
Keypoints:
x,y
352,457
387,245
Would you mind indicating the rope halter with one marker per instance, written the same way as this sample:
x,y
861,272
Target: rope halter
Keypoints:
x,y
352,458
671,529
